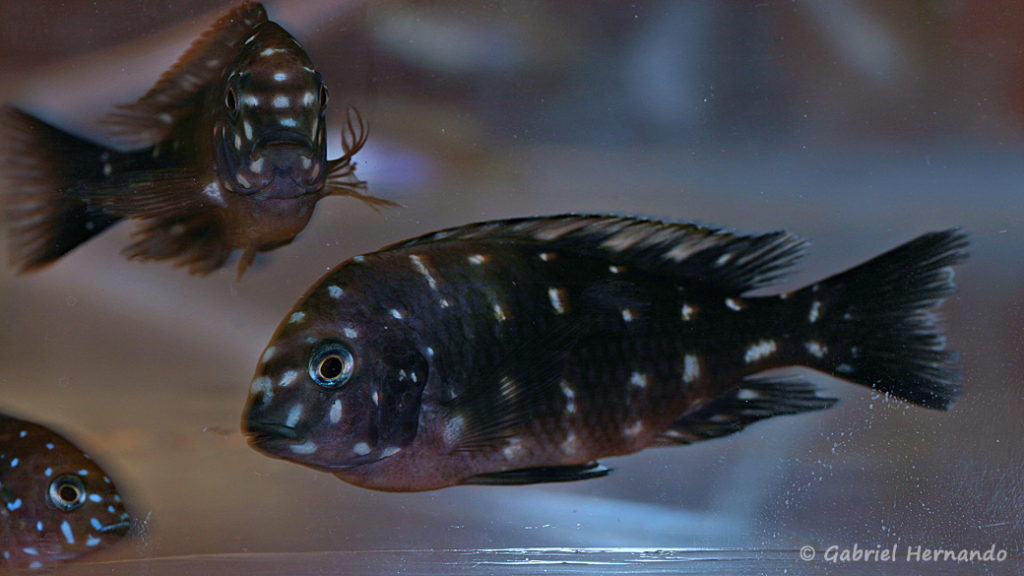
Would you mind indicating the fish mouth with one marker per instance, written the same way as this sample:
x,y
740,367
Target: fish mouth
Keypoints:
x,y
264,432
117,528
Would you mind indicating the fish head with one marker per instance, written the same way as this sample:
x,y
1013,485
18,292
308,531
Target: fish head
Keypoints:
x,y
340,385
57,503
270,129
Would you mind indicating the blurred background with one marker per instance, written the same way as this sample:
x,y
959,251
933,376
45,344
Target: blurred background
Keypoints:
x,y
857,124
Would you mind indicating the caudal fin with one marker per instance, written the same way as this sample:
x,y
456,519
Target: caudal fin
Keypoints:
x,y
43,170
873,324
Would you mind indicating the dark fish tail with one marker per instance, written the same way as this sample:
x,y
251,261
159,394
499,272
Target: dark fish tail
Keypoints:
x,y
44,170
873,324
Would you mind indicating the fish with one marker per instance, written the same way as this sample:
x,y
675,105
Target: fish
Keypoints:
x,y
227,152
526,350
56,503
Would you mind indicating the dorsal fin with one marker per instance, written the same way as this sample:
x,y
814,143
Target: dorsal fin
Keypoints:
x,y
152,117
687,251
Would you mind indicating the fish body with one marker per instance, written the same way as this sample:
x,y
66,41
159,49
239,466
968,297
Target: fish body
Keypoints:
x,y
226,152
522,351
56,503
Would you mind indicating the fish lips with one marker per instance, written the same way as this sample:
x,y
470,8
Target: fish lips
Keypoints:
x,y
277,440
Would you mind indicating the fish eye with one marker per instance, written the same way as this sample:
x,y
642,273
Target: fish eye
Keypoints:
x,y
67,492
231,100
331,364
323,95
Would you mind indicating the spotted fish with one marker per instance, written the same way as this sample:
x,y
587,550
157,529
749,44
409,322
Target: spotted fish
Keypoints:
x,y
226,152
521,351
56,504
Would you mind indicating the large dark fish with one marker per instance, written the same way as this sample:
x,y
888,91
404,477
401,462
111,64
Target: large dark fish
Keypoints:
x,y
521,351
226,152
56,503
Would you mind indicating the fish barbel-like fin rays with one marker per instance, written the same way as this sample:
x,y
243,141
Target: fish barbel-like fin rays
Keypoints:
x,y
731,263
341,172
541,474
755,399
43,167
177,93
874,325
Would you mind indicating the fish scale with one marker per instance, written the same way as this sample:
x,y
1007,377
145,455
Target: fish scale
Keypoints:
x,y
525,350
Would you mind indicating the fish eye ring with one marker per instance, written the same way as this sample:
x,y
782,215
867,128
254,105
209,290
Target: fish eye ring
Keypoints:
x,y
67,492
331,364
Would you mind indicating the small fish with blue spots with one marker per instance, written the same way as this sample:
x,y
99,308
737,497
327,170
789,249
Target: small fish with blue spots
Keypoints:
x,y
526,350
56,503
226,153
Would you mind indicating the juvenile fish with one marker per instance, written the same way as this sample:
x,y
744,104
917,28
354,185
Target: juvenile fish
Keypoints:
x,y
226,152
56,503
522,351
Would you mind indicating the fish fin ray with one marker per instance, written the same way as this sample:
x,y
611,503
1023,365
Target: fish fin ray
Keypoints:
x,y
149,194
755,399
542,474
44,166
194,240
877,323
175,95
701,255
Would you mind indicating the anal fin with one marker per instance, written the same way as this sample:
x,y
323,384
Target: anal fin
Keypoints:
x,y
755,399
542,475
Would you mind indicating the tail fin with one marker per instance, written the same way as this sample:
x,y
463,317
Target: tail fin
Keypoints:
x,y
873,323
42,168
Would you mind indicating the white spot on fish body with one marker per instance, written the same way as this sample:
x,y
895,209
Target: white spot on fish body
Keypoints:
x,y
816,348
95,498
633,429
513,448
397,314
306,160
252,100
107,169
262,385
291,123
336,413
571,443
359,259
281,101
361,449
238,144
616,269
335,291
478,259
308,98
165,117
724,259
815,312
65,528
268,354
375,397
422,268
280,76
96,524
558,299
390,451
747,394
14,463
628,315
14,505
271,52
453,429
691,368
22,434
547,256
638,379
39,526
760,350
92,541
734,304
351,333
570,396
30,551
294,413
48,472
49,445
212,191
844,368
499,313
242,180
35,565
297,317
688,312
307,447
247,128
